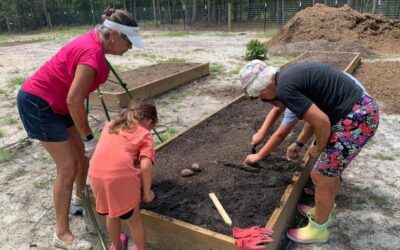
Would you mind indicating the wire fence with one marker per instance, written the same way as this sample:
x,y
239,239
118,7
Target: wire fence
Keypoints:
x,y
243,16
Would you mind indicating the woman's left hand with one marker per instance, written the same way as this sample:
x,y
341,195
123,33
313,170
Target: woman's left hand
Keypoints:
x,y
252,159
314,151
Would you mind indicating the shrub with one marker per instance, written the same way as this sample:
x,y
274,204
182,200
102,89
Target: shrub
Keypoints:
x,y
256,50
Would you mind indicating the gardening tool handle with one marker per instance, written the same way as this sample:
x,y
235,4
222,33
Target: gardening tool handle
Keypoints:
x,y
220,209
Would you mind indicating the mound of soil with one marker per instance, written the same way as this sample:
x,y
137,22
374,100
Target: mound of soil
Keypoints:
x,y
379,34
219,145
381,79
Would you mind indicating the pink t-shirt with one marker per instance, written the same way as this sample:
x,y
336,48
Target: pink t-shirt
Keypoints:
x,y
115,176
53,80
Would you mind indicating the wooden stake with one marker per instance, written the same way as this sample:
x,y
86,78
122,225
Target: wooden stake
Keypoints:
x,y
220,209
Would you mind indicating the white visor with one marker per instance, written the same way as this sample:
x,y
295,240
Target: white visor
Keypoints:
x,y
131,32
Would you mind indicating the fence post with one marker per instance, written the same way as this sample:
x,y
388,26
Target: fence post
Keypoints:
x,y
155,13
265,16
8,25
229,17
184,17
49,20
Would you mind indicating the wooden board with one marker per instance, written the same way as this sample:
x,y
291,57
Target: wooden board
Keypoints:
x,y
121,99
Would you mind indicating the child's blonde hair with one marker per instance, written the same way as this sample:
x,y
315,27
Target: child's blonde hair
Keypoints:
x,y
138,110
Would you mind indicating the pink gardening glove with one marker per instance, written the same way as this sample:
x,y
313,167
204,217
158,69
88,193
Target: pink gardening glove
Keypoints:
x,y
253,243
238,232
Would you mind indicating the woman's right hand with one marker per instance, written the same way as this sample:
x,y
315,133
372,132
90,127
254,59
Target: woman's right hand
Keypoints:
x,y
257,138
148,196
293,151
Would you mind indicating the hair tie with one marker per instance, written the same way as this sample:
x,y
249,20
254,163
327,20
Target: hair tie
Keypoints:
x,y
109,11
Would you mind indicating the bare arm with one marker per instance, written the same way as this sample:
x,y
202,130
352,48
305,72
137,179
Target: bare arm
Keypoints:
x,y
305,133
83,79
280,134
146,167
294,149
319,121
270,119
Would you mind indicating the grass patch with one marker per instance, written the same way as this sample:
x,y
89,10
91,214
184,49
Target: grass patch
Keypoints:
x,y
162,103
119,68
3,92
380,200
42,183
172,60
266,34
16,82
17,173
224,34
236,70
11,85
175,96
1,133
45,158
180,33
7,120
384,157
216,68
169,133
57,33
5,155
280,60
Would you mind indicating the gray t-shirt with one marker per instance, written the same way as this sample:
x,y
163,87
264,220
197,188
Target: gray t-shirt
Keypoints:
x,y
301,85
289,117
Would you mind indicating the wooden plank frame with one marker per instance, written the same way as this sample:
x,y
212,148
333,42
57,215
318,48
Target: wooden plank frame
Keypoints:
x,y
150,89
169,233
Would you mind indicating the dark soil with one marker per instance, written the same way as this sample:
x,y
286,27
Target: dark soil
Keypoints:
x,y
381,79
140,76
219,145
376,33
337,60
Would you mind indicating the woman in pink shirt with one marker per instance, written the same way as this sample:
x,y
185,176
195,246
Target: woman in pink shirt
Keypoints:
x,y
51,107
121,171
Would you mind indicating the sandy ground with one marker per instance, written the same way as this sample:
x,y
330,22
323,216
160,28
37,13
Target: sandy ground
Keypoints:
x,y
367,216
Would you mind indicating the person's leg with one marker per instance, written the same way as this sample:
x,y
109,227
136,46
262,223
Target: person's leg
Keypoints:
x,y
114,230
66,164
83,161
326,189
136,227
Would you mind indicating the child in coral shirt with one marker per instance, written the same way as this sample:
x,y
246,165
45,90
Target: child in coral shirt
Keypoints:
x,y
121,171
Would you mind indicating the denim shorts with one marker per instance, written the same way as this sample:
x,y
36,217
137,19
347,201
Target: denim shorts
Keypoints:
x,y
39,120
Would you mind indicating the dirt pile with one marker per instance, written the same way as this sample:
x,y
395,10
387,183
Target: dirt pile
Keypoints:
x,y
379,34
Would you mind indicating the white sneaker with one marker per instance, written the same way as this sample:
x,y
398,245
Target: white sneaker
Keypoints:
x,y
77,244
76,207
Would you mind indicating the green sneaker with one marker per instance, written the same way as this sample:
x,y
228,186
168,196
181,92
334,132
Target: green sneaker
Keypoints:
x,y
305,209
312,233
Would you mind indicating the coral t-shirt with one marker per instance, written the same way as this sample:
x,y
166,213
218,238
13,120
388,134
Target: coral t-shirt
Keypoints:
x,y
114,172
53,80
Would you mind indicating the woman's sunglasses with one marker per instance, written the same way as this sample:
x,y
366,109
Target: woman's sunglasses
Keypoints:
x,y
125,37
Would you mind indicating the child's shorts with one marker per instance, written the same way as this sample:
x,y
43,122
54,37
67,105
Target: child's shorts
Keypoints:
x,y
122,217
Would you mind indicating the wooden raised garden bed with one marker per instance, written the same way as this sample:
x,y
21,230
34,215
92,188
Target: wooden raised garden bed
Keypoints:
x,y
148,81
184,217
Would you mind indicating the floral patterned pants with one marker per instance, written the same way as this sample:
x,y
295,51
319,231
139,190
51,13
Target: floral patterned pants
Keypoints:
x,y
348,137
